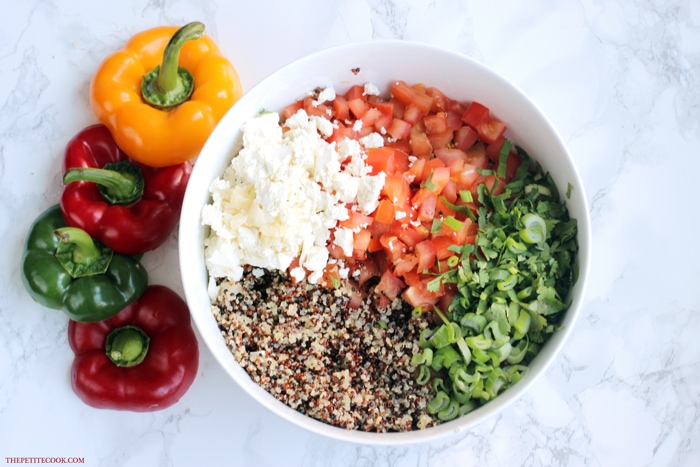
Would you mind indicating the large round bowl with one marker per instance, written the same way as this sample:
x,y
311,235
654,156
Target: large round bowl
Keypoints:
x,y
379,62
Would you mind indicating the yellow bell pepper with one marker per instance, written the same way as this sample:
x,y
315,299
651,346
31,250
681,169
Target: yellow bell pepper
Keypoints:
x,y
163,93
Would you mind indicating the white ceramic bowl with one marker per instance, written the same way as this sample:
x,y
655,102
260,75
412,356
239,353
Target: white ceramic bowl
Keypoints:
x,y
379,62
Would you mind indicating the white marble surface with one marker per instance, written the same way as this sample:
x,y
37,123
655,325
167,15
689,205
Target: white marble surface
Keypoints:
x,y
619,79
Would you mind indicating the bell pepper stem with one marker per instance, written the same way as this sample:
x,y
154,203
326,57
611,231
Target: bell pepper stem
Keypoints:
x,y
168,84
79,254
119,182
127,346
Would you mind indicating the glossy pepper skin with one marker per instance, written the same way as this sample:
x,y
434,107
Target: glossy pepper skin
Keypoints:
x,y
148,134
107,204
58,271
157,355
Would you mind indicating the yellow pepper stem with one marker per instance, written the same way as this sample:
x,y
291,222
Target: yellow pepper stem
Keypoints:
x,y
168,84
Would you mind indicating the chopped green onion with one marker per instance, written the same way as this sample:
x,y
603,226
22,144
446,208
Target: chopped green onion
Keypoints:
x,y
535,229
541,189
466,196
425,357
450,412
423,375
453,223
440,402
452,261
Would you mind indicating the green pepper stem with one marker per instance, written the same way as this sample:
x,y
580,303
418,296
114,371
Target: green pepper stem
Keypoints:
x,y
127,346
119,182
84,250
79,254
169,85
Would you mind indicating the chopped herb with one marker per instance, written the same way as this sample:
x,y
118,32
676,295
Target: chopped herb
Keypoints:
x,y
512,287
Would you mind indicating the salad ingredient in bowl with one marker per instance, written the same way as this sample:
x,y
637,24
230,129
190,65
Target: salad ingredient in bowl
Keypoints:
x,y
386,262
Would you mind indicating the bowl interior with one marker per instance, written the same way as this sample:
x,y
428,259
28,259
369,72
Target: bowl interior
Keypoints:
x,y
378,62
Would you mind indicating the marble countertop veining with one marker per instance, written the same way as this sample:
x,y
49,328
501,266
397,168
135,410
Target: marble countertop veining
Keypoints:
x,y
619,79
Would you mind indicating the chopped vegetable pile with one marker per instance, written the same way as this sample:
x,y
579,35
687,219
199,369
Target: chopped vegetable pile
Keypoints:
x,y
468,230
510,288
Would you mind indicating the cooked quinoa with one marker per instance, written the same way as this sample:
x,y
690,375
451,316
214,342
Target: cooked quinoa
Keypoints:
x,y
304,345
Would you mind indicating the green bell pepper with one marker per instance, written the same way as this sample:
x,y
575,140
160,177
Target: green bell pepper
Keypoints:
x,y
64,268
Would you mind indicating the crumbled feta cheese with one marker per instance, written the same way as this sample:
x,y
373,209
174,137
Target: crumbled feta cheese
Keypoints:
x,y
327,95
372,140
282,194
370,90
344,238
357,126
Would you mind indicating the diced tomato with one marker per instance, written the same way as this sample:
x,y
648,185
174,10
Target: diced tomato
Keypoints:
x,y
399,129
454,119
387,159
426,209
467,176
490,130
402,145
475,114
370,117
465,138
411,236
442,210
291,109
315,109
416,170
447,297
387,114
331,275
357,298
341,133
447,155
355,92
419,296
435,123
358,107
413,278
410,95
420,143
439,178
405,264
361,241
413,114
441,140
367,268
440,101
389,285
385,212
355,220
341,111
393,247
476,156
450,191
397,189
426,253
430,165
399,108
377,229
442,244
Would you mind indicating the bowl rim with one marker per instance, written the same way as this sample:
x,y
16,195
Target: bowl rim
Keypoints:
x,y
544,360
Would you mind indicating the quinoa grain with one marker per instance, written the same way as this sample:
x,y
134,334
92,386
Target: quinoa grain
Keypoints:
x,y
307,347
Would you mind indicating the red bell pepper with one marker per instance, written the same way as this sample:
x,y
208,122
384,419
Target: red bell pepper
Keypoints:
x,y
130,207
143,359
